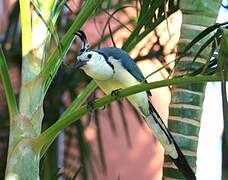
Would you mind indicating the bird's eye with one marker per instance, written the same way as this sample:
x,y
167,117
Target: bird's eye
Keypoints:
x,y
89,56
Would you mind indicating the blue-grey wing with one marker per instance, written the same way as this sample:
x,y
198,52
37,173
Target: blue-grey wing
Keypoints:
x,y
125,59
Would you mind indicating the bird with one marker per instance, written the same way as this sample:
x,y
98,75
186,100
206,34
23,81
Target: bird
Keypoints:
x,y
113,69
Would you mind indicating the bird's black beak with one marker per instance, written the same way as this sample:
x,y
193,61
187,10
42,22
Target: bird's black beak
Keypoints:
x,y
79,63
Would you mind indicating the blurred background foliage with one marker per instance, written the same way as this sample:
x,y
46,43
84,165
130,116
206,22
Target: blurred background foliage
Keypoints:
x,y
111,18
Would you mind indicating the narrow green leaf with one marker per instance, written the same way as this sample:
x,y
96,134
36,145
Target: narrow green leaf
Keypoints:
x,y
26,30
203,34
4,74
48,6
143,17
48,22
55,60
134,38
51,133
111,16
129,45
58,10
212,63
144,8
81,98
204,46
223,53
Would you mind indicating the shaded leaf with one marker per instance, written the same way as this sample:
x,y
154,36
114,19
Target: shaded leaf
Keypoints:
x,y
49,24
201,35
4,74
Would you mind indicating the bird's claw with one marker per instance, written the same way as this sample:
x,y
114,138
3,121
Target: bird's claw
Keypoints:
x,y
90,106
115,92
90,102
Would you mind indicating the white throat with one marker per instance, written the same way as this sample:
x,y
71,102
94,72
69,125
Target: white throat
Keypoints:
x,y
98,69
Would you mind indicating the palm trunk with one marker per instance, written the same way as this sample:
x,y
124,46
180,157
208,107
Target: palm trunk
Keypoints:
x,y
38,67
187,100
23,158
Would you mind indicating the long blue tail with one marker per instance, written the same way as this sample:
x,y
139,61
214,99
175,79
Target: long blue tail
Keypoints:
x,y
180,161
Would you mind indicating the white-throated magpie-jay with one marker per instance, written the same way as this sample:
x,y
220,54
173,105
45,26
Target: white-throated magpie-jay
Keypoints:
x,y
112,69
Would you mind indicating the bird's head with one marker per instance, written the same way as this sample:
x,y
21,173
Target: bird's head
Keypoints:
x,y
95,65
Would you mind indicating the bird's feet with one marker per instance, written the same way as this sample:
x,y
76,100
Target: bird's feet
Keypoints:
x,y
90,102
90,106
115,92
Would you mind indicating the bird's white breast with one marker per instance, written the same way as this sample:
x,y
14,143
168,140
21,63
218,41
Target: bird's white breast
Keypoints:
x,y
123,79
